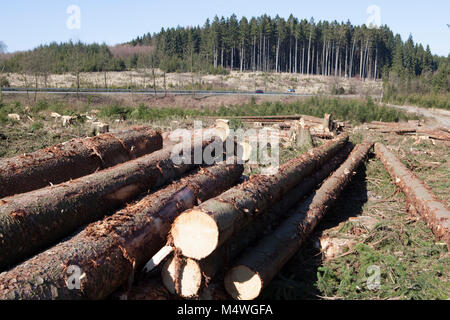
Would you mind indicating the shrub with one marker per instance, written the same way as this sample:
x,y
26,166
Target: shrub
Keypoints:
x,y
4,82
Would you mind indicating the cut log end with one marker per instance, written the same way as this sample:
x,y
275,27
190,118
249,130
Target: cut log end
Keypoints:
x,y
189,273
245,150
242,283
195,233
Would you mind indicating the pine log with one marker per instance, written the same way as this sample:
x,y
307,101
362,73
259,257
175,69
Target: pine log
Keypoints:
x,y
109,251
435,134
31,221
207,268
259,265
198,232
418,194
74,159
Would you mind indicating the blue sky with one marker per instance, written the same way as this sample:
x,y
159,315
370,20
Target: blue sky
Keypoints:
x,y
24,24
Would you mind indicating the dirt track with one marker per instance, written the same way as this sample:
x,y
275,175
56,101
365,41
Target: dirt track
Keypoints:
x,y
438,117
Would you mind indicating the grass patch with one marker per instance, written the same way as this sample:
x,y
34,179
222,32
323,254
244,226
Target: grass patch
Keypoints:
x,y
356,111
412,264
439,101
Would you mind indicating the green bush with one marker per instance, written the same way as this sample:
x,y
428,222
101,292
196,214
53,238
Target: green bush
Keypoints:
x,y
115,111
217,71
40,106
356,111
4,82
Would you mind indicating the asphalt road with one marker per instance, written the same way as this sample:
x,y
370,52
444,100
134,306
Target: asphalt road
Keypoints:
x,y
148,92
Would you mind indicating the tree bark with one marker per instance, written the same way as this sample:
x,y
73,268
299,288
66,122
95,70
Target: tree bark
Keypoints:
x,y
418,194
309,51
108,252
74,159
296,55
258,266
33,220
198,232
277,55
351,58
224,255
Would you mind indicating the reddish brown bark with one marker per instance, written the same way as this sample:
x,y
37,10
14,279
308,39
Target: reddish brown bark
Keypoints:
x,y
263,224
418,194
33,220
198,232
74,159
259,265
109,251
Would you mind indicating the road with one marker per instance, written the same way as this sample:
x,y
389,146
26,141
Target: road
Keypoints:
x,y
86,91
439,116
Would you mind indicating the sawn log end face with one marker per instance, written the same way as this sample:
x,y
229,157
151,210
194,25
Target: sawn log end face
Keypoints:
x,y
182,276
242,283
195,233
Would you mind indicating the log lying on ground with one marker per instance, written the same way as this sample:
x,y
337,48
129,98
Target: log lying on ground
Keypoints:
x,y
198,232
74,159
435,134
33,220
418,194
220,129
109,251
206,269
259,265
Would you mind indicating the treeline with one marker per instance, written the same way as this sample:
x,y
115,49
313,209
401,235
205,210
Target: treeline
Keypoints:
x,y
258,44
64,57
292,45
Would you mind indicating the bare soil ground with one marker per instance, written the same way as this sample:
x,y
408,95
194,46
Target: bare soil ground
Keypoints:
x,y
440,117
245,81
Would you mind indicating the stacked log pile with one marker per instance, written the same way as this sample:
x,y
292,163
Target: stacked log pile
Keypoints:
x,y
412,127
207,268
206,230
74,159
259,265
107,252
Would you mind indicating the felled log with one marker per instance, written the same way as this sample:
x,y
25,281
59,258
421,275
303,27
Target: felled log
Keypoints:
x,y
323,135
435,134
260,264
220,130
74,159
198,232
418,194
33,220
179,268
109,251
